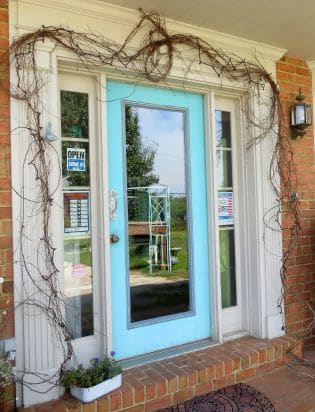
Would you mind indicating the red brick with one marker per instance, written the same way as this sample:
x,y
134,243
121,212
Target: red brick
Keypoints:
x,y
5,242
150,391
202,376
88,407
203,388
219,371
139,395
303,71
127,397
138,408
245,374
172,385
261,369
158,404
192,378
161,389
103,404
219,383
183,395
285,67
115,401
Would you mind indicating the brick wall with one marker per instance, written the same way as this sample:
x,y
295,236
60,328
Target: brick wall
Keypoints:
x,y
6,289
293,74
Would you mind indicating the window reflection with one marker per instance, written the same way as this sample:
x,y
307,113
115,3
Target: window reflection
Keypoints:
x,y
225,208
74,114
157,212
78,286
77,226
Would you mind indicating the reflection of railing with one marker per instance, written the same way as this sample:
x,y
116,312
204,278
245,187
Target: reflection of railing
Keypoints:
x,y
149,215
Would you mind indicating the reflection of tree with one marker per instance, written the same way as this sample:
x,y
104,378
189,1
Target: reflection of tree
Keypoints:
x,y
75,123
74,114
140,157
178,212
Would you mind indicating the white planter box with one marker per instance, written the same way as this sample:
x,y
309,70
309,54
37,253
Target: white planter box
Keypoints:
x,y
94,392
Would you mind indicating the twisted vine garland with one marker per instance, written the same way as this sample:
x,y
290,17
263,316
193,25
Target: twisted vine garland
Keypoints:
x,y
152,61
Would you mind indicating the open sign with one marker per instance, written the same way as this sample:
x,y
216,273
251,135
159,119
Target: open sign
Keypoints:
x,y
75,159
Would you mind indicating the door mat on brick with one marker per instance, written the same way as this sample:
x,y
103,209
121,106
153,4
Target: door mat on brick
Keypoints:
x,y
234,398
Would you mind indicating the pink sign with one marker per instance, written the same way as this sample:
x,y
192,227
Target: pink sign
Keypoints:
x,y
78,270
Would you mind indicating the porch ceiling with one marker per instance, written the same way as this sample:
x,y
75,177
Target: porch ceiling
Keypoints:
x,y
288,24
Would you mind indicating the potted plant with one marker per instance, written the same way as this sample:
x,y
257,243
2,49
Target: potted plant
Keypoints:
x,y
88,384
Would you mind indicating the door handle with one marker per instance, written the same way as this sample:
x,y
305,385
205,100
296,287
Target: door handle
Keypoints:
x,y
114,238
113,203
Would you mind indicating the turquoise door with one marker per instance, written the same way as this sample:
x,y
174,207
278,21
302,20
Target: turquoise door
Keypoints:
x,y
159,234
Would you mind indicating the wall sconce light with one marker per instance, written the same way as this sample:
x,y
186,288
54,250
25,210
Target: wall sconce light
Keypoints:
x,y
301,117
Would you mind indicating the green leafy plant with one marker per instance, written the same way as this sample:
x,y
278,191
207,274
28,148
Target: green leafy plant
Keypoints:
x,y
97,372
5,377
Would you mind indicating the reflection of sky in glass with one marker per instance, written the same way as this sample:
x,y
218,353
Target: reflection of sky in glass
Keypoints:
x,y
164,130
223,142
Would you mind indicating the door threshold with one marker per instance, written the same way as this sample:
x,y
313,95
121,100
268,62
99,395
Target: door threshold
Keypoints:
x,y
166,353
234,335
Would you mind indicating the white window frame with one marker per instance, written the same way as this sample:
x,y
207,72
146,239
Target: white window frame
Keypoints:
x,y
90,346
234,318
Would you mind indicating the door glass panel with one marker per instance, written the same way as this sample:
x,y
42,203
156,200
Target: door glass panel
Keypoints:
x,y
78,272
223,129
78,286
225,208
75,156
157,212
224,169
227,266
74,114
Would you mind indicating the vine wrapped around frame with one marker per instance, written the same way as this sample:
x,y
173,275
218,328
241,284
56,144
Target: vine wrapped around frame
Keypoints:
x,y
153,62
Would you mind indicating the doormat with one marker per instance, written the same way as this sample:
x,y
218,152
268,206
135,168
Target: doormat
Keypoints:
x,y
234,398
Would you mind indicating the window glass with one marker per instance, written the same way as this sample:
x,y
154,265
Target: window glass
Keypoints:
x,y
74,115
157,212
227,267
78,269
225,208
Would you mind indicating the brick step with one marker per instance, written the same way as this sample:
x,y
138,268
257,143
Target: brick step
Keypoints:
x,y
166,382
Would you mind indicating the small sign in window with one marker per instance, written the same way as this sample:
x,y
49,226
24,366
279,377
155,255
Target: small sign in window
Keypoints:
x,y
225,206
76,212
75,159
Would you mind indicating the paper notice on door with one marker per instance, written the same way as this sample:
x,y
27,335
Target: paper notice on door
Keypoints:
x,y
78,270
225,208
76,212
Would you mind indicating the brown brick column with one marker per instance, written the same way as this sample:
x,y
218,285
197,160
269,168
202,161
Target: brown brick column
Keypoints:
x,y
293,74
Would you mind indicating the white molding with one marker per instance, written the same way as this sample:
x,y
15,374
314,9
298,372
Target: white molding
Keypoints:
x,y
37,349
212,205
104,204
99,10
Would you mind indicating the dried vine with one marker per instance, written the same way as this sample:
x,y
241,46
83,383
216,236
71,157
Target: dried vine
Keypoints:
x,y
152,61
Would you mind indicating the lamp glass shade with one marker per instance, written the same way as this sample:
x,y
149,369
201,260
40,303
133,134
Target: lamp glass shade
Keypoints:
x,y
309,114
301,114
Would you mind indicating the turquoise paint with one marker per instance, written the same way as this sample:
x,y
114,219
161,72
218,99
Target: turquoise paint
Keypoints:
x,y
191,327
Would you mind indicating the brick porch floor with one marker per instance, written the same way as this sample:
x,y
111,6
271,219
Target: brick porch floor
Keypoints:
x,y
291,388
162,383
